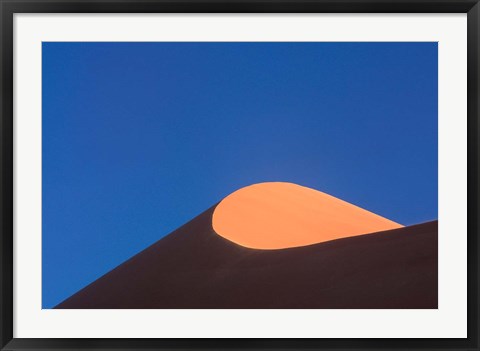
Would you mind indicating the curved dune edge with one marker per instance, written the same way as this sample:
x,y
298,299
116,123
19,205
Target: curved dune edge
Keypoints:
x,y
280,215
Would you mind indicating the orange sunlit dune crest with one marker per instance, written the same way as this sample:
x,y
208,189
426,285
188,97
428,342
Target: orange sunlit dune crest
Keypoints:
x,y
280,215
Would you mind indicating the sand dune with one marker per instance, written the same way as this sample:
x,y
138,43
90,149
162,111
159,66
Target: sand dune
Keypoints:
x,y
279,215
194,267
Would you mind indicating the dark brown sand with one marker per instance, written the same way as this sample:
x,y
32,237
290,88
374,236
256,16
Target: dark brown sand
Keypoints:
x,y
195,268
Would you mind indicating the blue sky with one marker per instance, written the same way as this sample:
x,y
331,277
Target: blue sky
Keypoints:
x,y
139,138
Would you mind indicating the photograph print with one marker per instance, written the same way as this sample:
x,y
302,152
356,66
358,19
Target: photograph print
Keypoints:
x,y
239,175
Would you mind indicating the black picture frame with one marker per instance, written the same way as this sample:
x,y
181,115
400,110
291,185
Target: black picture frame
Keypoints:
x,y
7,10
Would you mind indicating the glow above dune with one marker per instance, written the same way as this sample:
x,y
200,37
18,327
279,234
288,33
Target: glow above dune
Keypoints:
x,y
282,215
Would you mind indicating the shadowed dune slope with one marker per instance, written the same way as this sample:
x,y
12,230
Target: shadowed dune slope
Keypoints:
x,y
193,267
